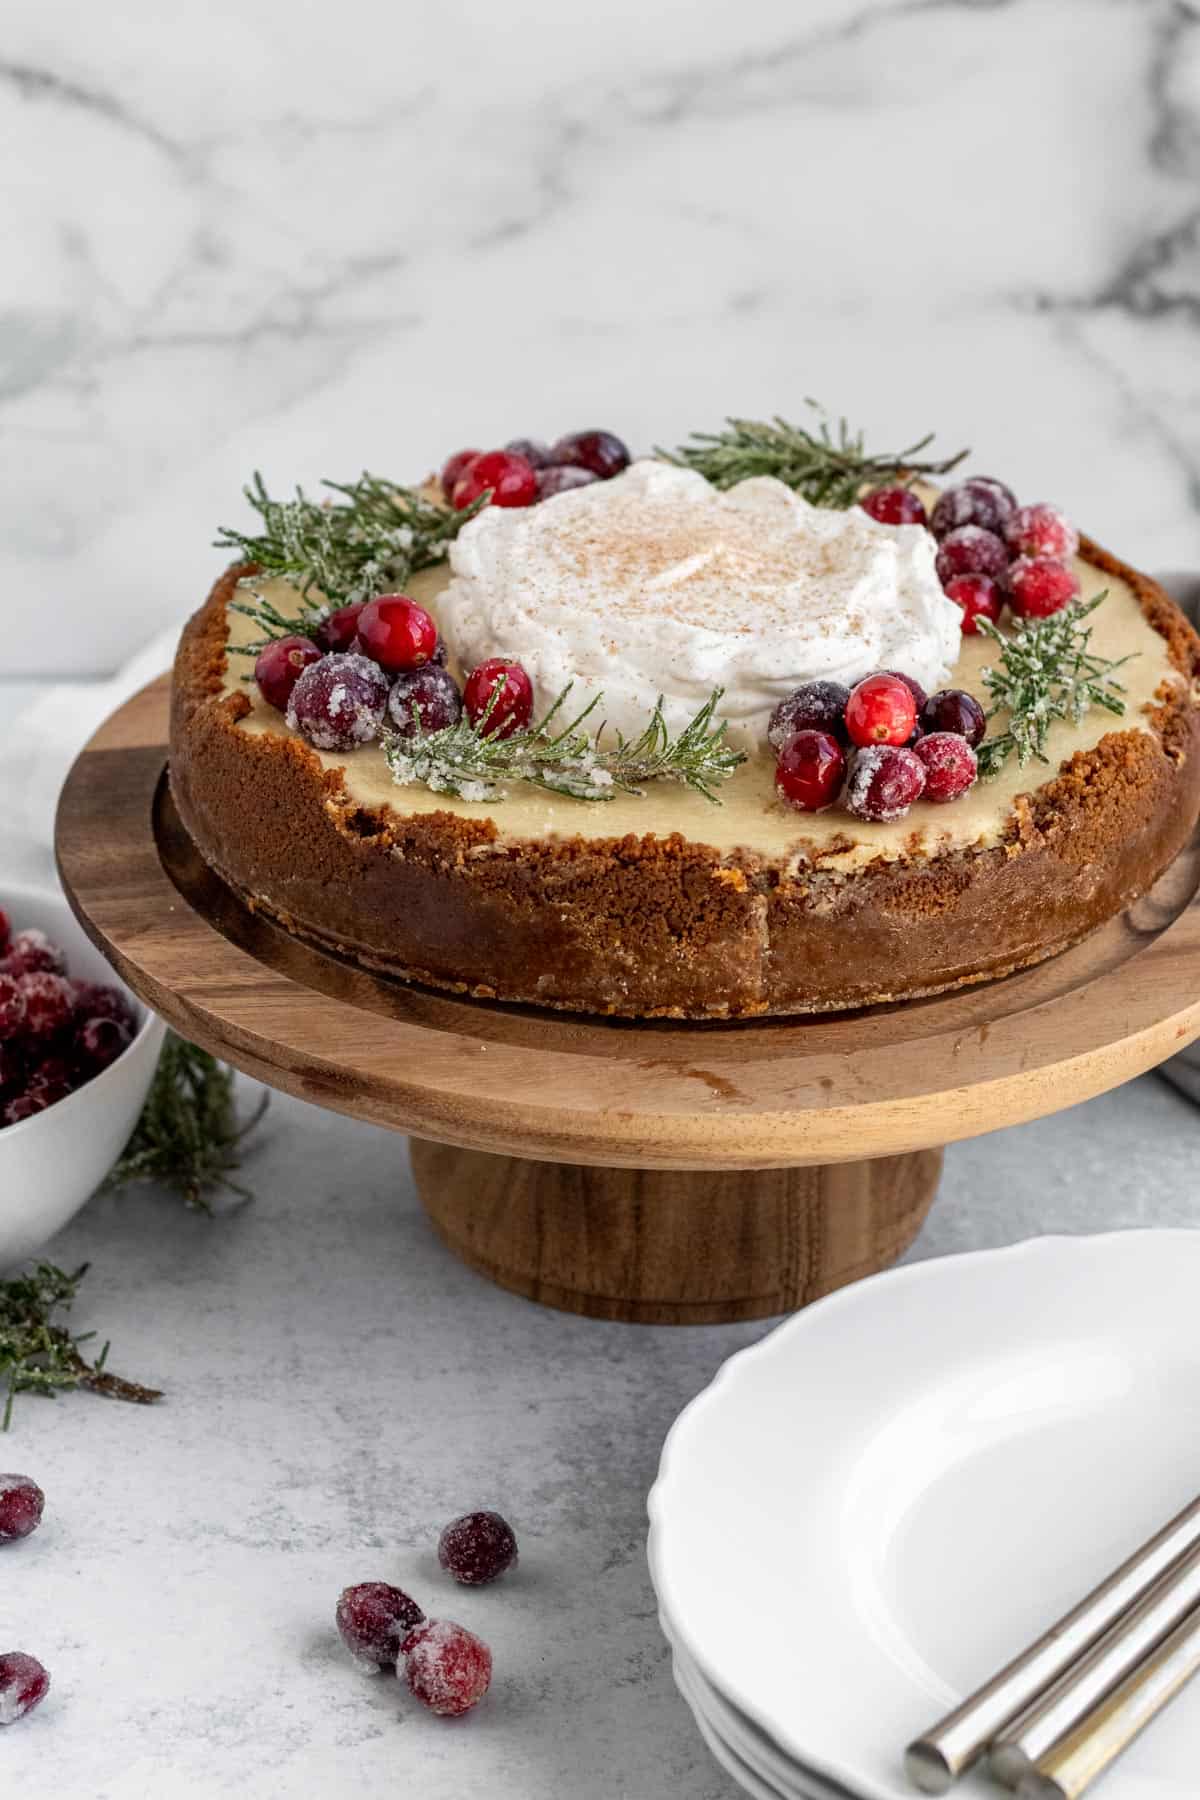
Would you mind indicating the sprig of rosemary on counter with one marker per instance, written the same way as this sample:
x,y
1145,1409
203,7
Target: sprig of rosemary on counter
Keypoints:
x,y
829,465
188,1136
372,538
1045,672
38,1356
463,759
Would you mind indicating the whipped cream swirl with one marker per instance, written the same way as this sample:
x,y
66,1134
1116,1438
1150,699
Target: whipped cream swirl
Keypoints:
x,y
658,583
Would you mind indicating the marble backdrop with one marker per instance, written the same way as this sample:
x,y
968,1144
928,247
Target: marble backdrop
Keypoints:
x,y
309,238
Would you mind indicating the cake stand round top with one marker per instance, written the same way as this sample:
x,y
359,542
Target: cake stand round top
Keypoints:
x,y
568,1088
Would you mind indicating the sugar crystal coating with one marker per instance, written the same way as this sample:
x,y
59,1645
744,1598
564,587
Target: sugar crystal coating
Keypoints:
x,y
24,1684
21,1505
477,1547
447,1667
339,702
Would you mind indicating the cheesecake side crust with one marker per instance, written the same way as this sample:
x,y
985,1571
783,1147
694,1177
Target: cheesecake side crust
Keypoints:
x,y
665,926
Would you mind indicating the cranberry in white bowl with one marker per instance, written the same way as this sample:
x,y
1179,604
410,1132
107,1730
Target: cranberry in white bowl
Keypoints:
x,y
54,1159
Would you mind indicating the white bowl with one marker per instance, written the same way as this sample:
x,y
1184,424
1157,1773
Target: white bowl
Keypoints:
x,y
50,1164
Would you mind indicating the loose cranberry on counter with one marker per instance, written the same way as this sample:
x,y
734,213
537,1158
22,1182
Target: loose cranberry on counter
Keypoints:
x,y
970,550
513,707
373,1618
979,501
339,703
340,629
953,709
280,665
511,479
21,1505
814,706
455,467
810,770
397,633
979,596
447,1667
12,1007
478,1547
24,1684
598,451
30,952
895,506
1039,586
950,765
561,481
884,781
881,710
536,454
432,693
1042,530
49,1004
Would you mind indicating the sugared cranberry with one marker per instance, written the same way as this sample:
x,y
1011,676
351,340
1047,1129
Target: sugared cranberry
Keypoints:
x,y
979,597
374,1617
512,708
814,706
881,710
950,766
1039,586
511,479
397,633
599,451
339,703
53,1072
561,481
21,1505
24,1684
884,781
447,1667
5,930
12,1069
979,501
49,1004
25,1106
432,693
810,770
95,1000
279,667
970,550
535,452
953,709
1041,530
30,952
12,1007
455,467
895,506
340,629
477,1548
99,1042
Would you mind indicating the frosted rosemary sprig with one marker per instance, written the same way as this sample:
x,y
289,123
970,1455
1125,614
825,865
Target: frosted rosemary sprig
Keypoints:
x,y
464,760
335,551
1045,672
829,464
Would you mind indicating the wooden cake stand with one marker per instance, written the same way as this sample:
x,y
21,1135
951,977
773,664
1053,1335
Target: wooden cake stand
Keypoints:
x,y
654,1171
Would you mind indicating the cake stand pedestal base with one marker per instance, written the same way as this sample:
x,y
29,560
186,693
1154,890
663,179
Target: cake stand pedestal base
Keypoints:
x,y
673,1246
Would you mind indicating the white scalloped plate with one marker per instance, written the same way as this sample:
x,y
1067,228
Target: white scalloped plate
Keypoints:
x,y
874,1507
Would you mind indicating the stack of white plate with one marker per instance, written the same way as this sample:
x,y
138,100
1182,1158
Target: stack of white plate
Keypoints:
x,y
871,1510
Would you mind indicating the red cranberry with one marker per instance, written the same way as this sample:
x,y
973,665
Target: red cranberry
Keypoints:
x,y
397,633
12,1069
1042,530
894,506
340,629
810,771
599,451
5,930
24,1684
30,952
21,1505
373,1617
455,467
432,693
279,667
952,709
93,1000
884,781
976,502
477,1548
447,1667
910,681
511,479
512,708
12,1007
49,1004
25,1106
339,703
970,550
814,706
53,1072
1039,586
535,452
99,1042
562,480
950,766
1002,488
979,597
881,710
